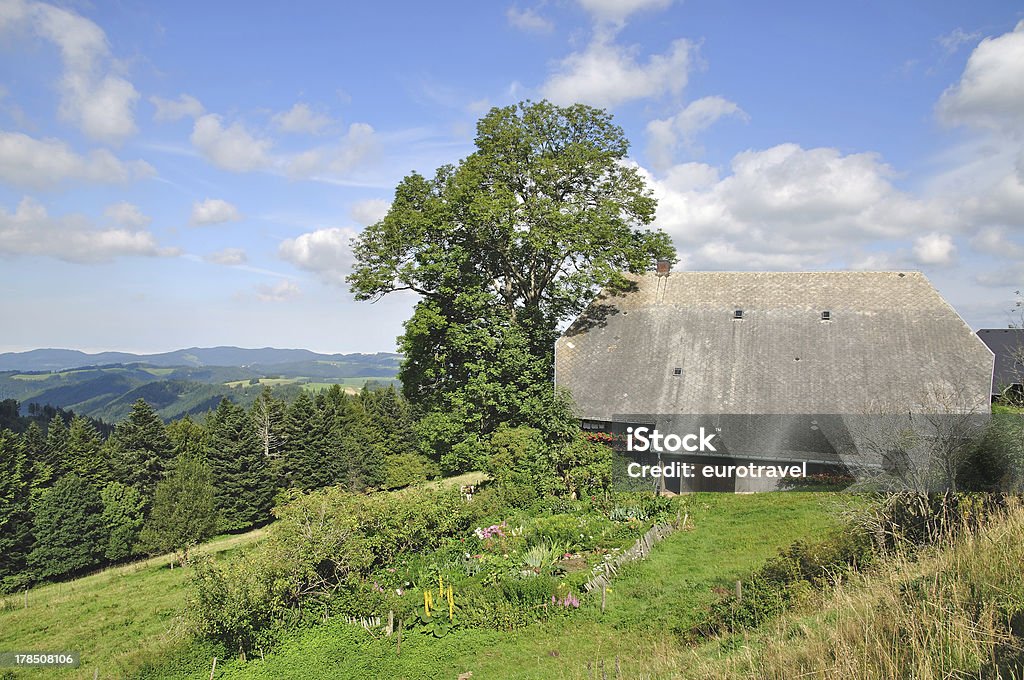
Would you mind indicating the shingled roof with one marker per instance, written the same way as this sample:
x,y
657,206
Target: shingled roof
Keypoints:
x,y
674,345
1008,346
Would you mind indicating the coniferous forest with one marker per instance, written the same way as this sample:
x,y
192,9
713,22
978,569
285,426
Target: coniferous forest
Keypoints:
x,y
77,494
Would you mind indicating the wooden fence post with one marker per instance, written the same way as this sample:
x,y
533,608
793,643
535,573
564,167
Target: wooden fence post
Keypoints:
x,y
214,668
739,591
604,592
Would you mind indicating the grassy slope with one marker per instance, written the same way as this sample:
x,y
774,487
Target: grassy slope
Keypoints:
x,y
114,618
730,536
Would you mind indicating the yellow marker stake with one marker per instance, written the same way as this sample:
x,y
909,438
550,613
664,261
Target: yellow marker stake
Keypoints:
x,y
451,604
440,587
426,602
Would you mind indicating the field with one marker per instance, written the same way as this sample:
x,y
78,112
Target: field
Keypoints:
x,y
129,617
116,618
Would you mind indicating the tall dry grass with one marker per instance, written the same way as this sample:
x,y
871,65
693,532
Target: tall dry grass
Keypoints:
x,y
953,610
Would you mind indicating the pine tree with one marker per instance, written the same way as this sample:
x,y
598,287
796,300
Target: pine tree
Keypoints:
x,y
140,450
15,517
82,453
356,450
240,475
183,512
68,528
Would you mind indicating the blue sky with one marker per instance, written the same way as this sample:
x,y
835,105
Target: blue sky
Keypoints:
x,y
179,174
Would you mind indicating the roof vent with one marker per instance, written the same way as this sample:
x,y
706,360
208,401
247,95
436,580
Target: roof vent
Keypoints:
x,y
677,371
826,315
663,267
738,314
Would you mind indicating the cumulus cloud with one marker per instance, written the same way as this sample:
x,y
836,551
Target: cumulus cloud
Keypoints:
x,y
325,252
230,148
990,93
606,74
787,207
528,20
43,163
31,230
370,211
94,96
277,292
214,211
934,248
127,215
228,256
666,134
301,119
995,241
170,110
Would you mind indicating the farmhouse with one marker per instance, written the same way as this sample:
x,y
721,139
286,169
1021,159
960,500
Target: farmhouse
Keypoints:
x,y
779,364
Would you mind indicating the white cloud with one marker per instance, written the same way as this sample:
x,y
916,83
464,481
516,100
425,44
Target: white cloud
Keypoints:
x,y
788,207
528,20
170,110
42,163
952,41
994,241
30,230
230,148
935,249
370,211
127,215
990,93
100,103
228,256
325,252
214,211
666,134
277,292
301,119
607,74
617,11
358,143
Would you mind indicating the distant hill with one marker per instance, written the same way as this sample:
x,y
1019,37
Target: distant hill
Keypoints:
x,y
63,359
93,385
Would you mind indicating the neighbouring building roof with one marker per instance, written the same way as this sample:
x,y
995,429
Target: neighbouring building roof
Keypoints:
x,y
1008,346
676,344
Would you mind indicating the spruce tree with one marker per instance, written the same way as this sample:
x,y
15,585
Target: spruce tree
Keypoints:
x,y
244,491
56,445
83,453
15,518
140,450
37,455
68,528
305,466
268,418
356,452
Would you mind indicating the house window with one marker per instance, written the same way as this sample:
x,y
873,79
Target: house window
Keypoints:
x,y
677,371
826,316
738,314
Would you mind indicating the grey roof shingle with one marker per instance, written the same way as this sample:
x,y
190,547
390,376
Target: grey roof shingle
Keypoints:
x,y
893,344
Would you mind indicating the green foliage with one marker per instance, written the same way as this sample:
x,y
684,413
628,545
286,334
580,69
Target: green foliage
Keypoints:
x,y
68,527
183,513
140,450
15,518
583,467
516,239
123,513
403,469
240,474
82,452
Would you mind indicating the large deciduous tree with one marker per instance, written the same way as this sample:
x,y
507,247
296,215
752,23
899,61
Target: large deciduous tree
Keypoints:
x,y
515,240
183,514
